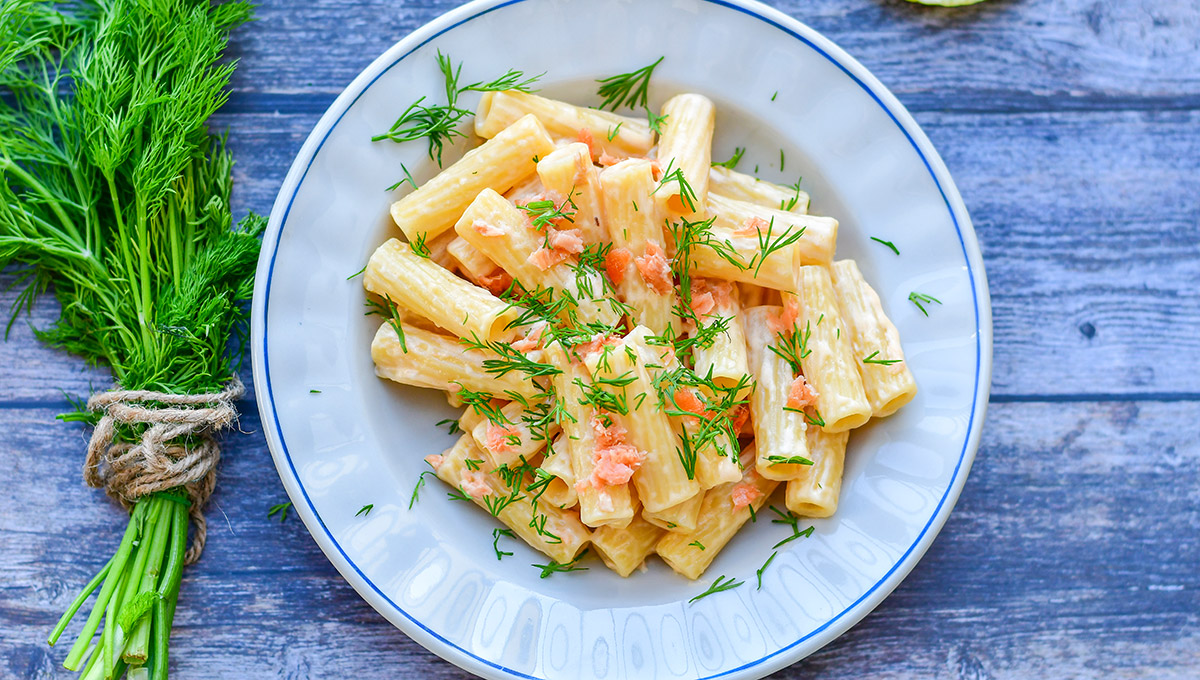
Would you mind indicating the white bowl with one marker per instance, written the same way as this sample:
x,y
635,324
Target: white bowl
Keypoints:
x,y
431,570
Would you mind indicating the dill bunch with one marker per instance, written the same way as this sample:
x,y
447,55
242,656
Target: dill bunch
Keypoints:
x,y
115,196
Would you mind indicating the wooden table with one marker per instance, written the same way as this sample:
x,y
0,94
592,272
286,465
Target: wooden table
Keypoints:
x,y
1073,130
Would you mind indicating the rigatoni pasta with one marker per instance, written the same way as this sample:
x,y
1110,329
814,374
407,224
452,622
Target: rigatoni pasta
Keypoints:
x,y
644,345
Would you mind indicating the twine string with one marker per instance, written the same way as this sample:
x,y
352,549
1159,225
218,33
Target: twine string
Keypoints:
x,y
178,449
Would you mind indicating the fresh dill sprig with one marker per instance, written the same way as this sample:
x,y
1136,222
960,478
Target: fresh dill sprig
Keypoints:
x,y
891,246
655,122
417,487
731,162
768,247
496,534
481,403
419,247
365,510
696,544
870,359
389,311
719,586
546,212
451,425
687,195
763,568
503,359
407,178
788,204
554,567
629,89
612,134
794,522
496,504
439,122
280,509
792,346
788,460
460,494
919,298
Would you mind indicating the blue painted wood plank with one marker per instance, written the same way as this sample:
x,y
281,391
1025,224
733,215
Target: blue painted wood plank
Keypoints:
x,y
1000,55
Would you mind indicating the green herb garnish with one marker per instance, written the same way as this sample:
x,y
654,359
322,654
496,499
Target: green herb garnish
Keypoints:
x,y
627,88
718,586
794,522
554,567
891,246
496,534
280,509
883,362
655,122
732,161
439,122
763,568
919,298
418,485
365,510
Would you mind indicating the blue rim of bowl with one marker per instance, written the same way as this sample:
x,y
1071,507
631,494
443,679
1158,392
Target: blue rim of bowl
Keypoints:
x,y
834,55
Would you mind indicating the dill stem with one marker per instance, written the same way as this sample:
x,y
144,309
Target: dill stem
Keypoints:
x,y
117,566
33,183
163,614
123,240
144,273
78,602
189,229
172,230
147,576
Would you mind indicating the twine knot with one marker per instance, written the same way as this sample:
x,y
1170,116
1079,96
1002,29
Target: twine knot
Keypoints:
x,y
178,449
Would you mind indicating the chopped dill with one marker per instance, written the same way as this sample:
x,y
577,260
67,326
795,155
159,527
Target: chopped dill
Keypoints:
x,y
627,89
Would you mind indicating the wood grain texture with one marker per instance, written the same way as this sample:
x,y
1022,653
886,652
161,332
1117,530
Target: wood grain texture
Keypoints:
x,y
1072,128
1008,55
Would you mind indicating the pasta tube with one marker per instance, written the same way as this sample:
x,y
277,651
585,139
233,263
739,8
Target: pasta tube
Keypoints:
x,y
565,122
420,285
752,230
439,362
661,480
498,164
828,358
561,491
637,262
612,504
738,186
686,146
503,233
779,431
624,550
561,535
725,358
682,517
568,174
724,510
888,384
815,492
